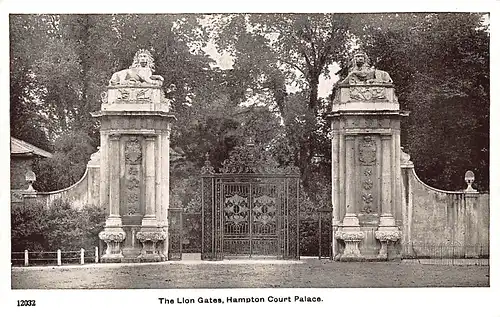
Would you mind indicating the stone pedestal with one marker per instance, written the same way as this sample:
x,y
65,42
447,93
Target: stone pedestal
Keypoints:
x,y
385,236
366,170
113,236
134,172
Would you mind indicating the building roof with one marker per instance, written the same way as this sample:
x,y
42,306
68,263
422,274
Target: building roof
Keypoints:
x,y
22,148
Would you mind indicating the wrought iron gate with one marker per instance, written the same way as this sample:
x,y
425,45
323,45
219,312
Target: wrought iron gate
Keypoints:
x,y
250,215
184,232
316,233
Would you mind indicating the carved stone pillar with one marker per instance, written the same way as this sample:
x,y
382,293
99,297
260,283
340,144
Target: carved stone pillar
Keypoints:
x,y
164,187
113,234
149,219
388,231
386,218
335,192
349,231
151,234
135,166
366,183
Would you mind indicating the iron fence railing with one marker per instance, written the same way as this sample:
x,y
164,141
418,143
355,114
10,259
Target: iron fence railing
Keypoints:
x,y
315,234
449,254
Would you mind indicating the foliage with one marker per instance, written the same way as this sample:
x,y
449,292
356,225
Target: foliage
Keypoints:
x,y
277,50
68,163
61,63
440,65
28,227
37,228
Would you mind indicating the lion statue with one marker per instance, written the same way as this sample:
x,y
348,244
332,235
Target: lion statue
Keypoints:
x,y
141,72
361,72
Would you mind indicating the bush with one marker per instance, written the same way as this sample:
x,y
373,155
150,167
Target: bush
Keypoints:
x,y
36,228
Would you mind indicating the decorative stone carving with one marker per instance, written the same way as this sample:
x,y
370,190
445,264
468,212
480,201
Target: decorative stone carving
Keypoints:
x,y
113,238
367,209
365,83
386,236
141,72
367,198
405,159
133,159
104,97
367,93
144,95
361,72
153,236
133,183
469,179
133,170
95,158
149,240
133,151
367,151
351,240
367,184
123,95
367,157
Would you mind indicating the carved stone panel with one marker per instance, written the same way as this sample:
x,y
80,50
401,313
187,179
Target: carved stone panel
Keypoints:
x,y
365,93
133,177
367,151
133,151
367,176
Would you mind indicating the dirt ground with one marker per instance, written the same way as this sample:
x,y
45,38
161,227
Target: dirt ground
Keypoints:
x,y
306,274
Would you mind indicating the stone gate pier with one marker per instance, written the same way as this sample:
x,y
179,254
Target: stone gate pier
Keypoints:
x,y
134,164
366,170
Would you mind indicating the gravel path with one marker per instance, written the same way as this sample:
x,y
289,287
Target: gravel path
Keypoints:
x,y
305,274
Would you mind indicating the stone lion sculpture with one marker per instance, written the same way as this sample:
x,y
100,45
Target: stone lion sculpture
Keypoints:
x,y
141,72
361,72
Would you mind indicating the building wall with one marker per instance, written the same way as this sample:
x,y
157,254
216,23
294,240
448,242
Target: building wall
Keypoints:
x,y
18,168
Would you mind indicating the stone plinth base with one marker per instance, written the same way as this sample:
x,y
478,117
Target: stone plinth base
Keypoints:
x,y
387,235
112,258
113,236
351,238
150,239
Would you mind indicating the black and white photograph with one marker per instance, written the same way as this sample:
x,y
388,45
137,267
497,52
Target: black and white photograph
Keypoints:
x,y
219,160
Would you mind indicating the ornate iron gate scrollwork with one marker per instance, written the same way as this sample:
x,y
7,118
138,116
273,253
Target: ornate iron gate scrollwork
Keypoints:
x,y
250,215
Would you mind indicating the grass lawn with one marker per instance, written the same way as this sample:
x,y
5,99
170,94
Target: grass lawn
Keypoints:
x,y
309,273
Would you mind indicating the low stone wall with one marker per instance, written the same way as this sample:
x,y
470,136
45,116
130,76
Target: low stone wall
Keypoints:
x,y
434,219
82,193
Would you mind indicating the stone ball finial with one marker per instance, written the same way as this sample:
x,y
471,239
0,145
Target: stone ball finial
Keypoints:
x,y
469,179
30,177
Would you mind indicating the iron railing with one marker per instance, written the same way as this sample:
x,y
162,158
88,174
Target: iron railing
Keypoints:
x,y
447,254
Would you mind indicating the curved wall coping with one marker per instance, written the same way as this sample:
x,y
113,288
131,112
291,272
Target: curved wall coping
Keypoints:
x,y
436,189
59,191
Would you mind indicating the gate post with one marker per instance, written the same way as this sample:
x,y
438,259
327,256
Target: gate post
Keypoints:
x,y
366,171
135,122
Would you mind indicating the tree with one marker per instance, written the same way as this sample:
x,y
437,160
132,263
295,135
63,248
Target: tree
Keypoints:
x,y
68,163
439,63
276,50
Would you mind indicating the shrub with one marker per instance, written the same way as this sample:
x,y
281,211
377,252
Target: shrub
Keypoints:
x,y
36,228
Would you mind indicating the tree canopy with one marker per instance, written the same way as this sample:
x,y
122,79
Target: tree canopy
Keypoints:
x,y
60,64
